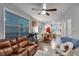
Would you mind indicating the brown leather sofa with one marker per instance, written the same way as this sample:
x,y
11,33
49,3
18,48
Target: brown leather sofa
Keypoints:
x,y
5,48
17,47
31,47
18,50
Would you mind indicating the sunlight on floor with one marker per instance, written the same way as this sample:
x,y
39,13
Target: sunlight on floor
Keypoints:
x,y
53,44
45,48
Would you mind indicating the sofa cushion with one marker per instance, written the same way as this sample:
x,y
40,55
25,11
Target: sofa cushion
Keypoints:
x,y
7,51
20,39
1,53
23,43
15,48
13,42
14,45
5,44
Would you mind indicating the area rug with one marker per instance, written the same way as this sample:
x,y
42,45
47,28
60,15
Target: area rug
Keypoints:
x,y
46,51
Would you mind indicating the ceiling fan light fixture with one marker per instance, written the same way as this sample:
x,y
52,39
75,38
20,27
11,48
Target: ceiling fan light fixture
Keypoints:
x,y
43,12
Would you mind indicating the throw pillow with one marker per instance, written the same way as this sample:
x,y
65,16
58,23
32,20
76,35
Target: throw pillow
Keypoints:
x,y
67,45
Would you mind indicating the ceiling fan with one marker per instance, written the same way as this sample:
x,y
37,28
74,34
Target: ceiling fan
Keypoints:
x,y
44,10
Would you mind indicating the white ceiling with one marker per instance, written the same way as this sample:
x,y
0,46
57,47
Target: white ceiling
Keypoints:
x,y
62,8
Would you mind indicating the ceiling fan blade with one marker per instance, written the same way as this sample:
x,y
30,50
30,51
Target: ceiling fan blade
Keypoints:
x,y
39,13
35,9
47,14
51,9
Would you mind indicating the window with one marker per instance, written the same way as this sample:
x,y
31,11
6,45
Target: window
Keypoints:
x,y
41,27
15,25
24,26
56,28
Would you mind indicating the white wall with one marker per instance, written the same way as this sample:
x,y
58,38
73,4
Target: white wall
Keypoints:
x,y
14,9
75,22
72,13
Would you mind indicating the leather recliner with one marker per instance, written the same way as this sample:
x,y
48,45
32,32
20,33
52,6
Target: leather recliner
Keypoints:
x,y
17,50
5,48
31,47
17,47
8,48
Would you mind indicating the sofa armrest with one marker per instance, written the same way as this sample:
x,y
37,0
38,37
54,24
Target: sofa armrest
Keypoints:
x,y
21,50
30,43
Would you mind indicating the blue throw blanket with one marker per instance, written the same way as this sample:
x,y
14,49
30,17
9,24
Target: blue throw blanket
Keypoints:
x,y
73,40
